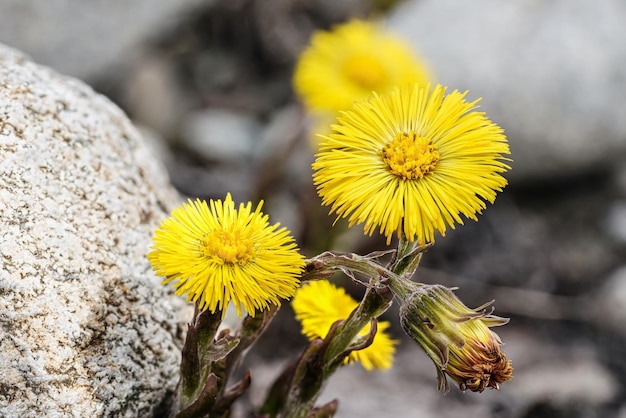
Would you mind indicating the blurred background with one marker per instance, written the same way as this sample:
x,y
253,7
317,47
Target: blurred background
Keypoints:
x,y
209,84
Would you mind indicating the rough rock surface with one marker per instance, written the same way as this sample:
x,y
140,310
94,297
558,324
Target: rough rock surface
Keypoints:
x,y
551,73
86,330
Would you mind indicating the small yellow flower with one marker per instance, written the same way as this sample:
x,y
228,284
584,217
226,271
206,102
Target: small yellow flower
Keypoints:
x,y
319,304
411,161
217,254
456,338
349,62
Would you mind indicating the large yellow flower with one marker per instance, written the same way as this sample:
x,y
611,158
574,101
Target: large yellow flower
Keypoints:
x,y
351,61
217,254
319,304
411,161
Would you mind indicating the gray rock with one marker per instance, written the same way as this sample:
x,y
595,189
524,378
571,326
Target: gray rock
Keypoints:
x,y
83,38
615,222
608,306
558,375
553,74
221,135
582,380
86,330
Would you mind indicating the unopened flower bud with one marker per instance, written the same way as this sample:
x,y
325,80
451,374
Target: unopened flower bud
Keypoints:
x,y
458,339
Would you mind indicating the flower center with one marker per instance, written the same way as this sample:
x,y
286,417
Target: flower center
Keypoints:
x,y
409,156
365,71
229,247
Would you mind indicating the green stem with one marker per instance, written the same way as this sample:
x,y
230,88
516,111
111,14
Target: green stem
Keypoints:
x,y
402,288
377,299
407,257
374,303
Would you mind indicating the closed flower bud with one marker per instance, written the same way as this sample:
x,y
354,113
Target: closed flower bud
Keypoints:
x,y
458,339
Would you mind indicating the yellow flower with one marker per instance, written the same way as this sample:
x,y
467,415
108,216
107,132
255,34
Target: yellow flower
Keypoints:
x,y
319,304
351,61
217,254
411,161
456,338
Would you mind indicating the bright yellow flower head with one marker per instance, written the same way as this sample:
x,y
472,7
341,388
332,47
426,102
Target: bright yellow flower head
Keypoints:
x,y
319,304
351,61
411,161
218,254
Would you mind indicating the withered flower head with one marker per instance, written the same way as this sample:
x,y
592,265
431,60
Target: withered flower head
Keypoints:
x,y
458,339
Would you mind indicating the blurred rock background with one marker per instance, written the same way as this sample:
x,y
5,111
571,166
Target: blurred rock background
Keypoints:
x,y
208,81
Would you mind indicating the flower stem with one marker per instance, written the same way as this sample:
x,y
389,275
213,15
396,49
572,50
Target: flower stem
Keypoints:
x,y
378,297
315,367
374,303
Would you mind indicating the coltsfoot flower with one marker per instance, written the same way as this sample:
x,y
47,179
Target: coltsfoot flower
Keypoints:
x,y
216,254
457,339
351,61
319,304
411,162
